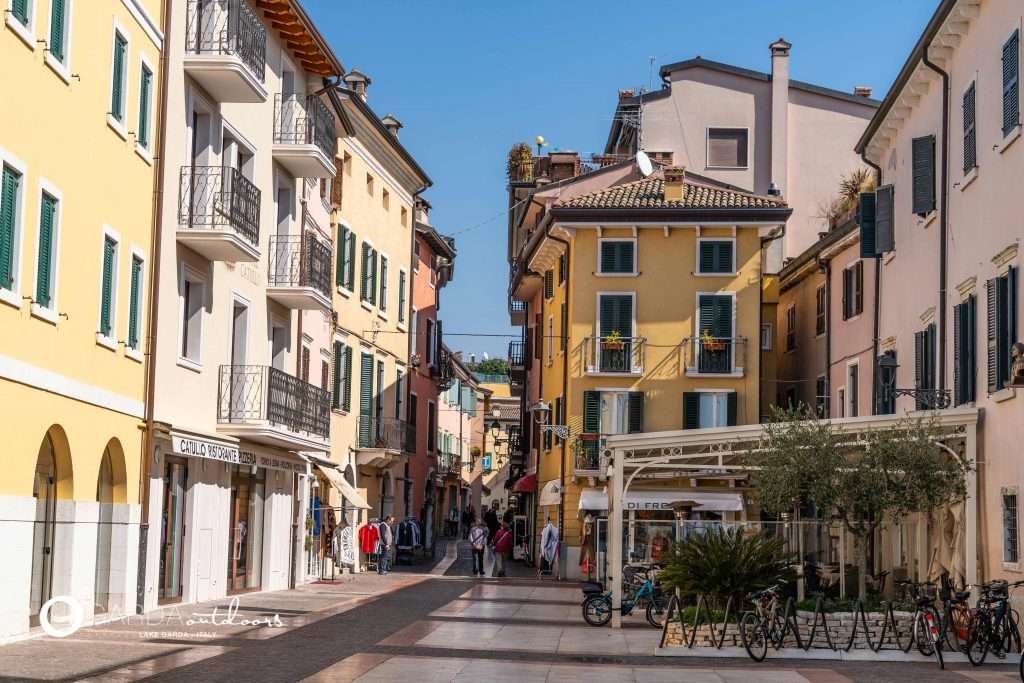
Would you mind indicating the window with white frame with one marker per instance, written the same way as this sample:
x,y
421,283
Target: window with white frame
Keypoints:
x,y
119,77
716,256
767,336
714,409
60,24
21,18
192,295
144,132
46,255
382,304
11,195
616,257
135,301
1011,553
402,283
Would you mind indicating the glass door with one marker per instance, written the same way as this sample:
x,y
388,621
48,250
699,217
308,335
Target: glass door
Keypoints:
x,y
245,538
172,530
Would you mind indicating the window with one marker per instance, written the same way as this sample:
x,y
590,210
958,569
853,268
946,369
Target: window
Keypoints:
x,y
192,296
563,335
431,342
617,257
383,303
791,328
613,412
970,130
885,396
841,402
615,319
821,396
385,199
965,322
368,284
135,303
853,290
108,287
20,11
1011,83
416,256
10,199
767,335
431,426
485,463
715,256
852,389
714,325
401,296
145,105
119,77
405,217
58,43
369,184
549,285
821,309
923,174
414,328
1010,539
346,163
703,409
561,269
727,148
378,399
45,261
345,270
1002,327
325,372
551,339
399,393
341,383
924,366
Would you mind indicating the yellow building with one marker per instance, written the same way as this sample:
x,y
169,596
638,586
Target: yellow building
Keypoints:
x,y
77,148
643,313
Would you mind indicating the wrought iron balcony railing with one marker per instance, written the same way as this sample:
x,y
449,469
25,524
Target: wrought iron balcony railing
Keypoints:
x,y
305,121
219,198
300,261
587,455
388,433
517,306
254,394
449,464
715,355
517,354
617,355
227,27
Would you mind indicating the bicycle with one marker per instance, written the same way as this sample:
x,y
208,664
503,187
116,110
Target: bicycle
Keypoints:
x,y
764,624
597,606
926,629
956,615
995,625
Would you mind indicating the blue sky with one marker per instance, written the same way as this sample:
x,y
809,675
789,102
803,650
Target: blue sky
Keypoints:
x,y
468,79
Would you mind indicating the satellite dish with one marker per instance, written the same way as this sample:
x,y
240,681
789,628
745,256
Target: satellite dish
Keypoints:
x,y
643,162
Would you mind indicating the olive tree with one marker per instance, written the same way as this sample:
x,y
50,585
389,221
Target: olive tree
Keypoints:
x,y
859,478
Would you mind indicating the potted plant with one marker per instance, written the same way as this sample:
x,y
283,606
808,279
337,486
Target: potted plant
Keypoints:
x,y
612,341
710,343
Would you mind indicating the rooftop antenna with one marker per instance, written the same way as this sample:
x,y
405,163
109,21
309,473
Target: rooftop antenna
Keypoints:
x,y
643,162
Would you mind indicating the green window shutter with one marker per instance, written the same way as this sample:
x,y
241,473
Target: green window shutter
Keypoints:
x,y
847,292
346,397
1011,83
716,316
372,285
339,359
617,256
591,412
715,256
970,130
401,296
107,286
365,399
383,285
549,284
145,86
971,362
866,221
923,172
919,364
636,412
958,354
44,265
57,18
885,230
350,273
117,91
379,394
19,8
134,303
691,410
364,281
731,399
342,250
8,213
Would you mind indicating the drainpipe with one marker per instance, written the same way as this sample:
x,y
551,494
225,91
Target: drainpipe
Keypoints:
x,y
148,436
825,266
565,387
877,314
943,218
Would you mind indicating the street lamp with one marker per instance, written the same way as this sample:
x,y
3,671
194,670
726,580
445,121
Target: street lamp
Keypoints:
x,y
541,411
495,430
936,399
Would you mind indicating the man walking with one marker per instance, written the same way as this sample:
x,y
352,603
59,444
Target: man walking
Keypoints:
x,y
502,547
491,520
478,539
387,540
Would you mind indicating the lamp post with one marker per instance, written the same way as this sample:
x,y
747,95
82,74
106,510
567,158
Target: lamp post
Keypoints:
x,y
928,399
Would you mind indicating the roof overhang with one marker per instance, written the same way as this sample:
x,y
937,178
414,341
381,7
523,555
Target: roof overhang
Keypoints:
x,y
301,36
663,216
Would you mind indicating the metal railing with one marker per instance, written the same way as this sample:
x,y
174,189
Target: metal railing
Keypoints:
x,y
526,170
219,198
623,355
227,27
515,438
449,464
300,261
259,393
517,353
715,355
387,432
517,306
587,455
305,121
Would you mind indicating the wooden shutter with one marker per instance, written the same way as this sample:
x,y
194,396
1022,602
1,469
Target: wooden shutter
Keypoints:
x,y
372,285
564,331
549,284
716,316
339,265
730,403
970,133
134,303
1011,83
866,220
591,412
304,364
364,281
847,292
117,91
970,332
958,355
350,277
561,269
992,328
401,296
438,340
365,399
339,359
885,229
107,287
8,212
858,288
538,336
616,315
145,85
1010,330
691,410
617,256
44,266
715,256
923,160
383,284
57,19
346,397
19,8
919,364
559,416
636,412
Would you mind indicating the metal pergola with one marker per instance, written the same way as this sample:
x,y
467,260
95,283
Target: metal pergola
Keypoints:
x,y
721,449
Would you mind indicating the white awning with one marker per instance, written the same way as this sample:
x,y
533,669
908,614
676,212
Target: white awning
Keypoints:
x,y
346,489
551,494
662,499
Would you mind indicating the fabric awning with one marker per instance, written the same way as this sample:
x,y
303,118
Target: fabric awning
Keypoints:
x,y
346,489
551,494
527,484
662,499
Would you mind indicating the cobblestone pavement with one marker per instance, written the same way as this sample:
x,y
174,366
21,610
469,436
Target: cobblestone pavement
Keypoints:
x,y
427,622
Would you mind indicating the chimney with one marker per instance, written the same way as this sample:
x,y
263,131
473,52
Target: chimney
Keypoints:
x,y
392,124
626,94
862,91
357,82
780,111
675,177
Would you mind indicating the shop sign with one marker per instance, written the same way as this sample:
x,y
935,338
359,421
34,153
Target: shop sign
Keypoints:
x,y
201,448
271,463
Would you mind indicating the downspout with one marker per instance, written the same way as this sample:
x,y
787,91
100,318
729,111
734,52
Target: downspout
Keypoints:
x,y
565,388
148,436
943,218
877,313
410,348
825,266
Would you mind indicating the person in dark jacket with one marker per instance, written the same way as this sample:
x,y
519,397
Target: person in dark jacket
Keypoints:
x,y
491,520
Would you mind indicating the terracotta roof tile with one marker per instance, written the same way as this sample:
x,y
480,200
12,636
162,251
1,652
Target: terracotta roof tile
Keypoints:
x,y
649,193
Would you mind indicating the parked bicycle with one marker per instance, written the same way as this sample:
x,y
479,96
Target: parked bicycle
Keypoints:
x,y
765,624
956,615
639,589
926,625
995,626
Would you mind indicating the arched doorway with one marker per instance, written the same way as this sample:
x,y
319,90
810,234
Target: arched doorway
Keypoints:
x,y
105,498
44,490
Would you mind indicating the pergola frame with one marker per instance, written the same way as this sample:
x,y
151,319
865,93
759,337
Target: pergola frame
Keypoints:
x,y
721,449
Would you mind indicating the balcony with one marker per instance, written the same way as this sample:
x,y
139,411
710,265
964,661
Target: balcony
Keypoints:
x,y
517,312
518,361
304,137
380,440
226,50
268,405
449,465
299,275
614,355
715,356
588,462
219,213
443,371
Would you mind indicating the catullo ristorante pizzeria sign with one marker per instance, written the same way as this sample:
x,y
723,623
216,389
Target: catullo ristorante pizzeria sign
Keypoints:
x,y
201,448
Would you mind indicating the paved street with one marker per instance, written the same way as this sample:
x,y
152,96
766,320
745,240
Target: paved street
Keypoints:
x,y
424,623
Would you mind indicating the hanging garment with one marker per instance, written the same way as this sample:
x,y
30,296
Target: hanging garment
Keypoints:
x,y
347,548
368,537
549,542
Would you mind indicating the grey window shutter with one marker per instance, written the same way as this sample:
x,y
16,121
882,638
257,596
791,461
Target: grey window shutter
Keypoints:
x,y
858,288
731,399
8,213
923,160
866,220
339,356
970,335
591,412
707,257
691,410
885,229
992,306
919,364
958,354
1011,315
1011,83
636,412
970,133
847,292
723,317
350,280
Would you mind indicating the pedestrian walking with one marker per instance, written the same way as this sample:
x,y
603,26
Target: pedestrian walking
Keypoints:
x,y
502,547
478,539
387,541
491,520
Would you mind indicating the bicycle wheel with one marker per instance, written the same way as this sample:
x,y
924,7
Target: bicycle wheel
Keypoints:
x,y
755,640
656,606
1011,632
597,610
978,637
956,626
923,636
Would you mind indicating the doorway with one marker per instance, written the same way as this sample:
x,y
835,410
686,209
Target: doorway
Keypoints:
x,y
44,490
245,536
104,533
172,530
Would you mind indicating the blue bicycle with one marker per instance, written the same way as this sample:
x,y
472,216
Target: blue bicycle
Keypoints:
x,y
638,588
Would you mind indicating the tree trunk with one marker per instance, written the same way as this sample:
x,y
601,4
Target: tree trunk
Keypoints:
x,y
862,566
